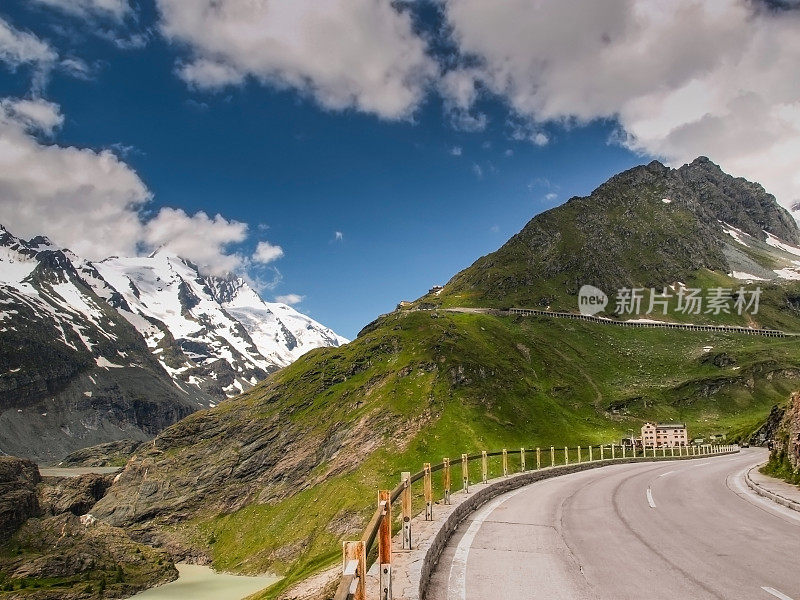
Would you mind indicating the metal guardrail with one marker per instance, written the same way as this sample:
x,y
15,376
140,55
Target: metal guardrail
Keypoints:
x,y
352,585
527,312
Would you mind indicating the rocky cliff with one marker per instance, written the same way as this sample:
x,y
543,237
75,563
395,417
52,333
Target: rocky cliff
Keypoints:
x,y
52,549
784,460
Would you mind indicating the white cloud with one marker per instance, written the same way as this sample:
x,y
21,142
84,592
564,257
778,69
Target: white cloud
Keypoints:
x,y
290,299
477,170
266,253
682,78
527,130
33,114
361,54
456,150
114,9
550,196
199,238
90,201
338,236
22,48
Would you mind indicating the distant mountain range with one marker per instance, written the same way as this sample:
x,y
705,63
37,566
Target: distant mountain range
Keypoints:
x,y
120,348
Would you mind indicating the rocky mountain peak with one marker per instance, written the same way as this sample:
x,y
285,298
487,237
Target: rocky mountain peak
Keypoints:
x,y
738,202
80,334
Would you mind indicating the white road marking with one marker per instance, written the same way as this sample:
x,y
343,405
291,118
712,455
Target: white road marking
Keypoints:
x,y
665,474
776,593
650,500
457,581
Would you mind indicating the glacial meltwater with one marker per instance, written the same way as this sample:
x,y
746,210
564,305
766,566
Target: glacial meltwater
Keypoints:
x,y
203,583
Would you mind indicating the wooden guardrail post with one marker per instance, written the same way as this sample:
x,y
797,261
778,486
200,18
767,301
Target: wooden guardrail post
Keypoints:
x,y
623,450
552,456
484,467
579,454
613,450
385,545
538,458
465,472
355,551
602,452
505,462
590,453
522,459
405,500
428,491
664,451
446,480
672,449
566,455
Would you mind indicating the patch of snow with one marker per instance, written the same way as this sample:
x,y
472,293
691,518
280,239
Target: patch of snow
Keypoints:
x,y
15,266
666,201
776,242
746,276
737,234
104,363
788,273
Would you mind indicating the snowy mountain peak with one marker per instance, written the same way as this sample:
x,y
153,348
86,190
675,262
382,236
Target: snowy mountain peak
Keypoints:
x,y
214,334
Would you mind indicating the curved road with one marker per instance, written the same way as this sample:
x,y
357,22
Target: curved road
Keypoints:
x,y
671,530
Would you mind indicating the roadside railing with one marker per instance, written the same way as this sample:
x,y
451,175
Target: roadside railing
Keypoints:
x,y
649,324
353,584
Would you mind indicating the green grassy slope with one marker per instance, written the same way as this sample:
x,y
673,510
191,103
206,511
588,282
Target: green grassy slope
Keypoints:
x,y
416,387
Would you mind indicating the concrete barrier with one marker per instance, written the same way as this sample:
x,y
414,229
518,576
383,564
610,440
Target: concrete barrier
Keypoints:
x,y
761,491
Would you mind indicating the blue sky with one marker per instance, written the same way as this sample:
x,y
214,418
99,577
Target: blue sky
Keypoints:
x,y
415,198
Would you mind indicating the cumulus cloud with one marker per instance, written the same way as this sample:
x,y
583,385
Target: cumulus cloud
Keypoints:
x,y
361,54
290,299
682,78
456,150
338,236
266,253
202,239
114,9
90,201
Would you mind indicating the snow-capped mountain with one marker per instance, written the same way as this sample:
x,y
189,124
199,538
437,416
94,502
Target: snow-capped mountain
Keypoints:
x,y
97,351
220,326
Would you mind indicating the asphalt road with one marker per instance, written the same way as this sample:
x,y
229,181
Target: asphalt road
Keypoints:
x,y
687,530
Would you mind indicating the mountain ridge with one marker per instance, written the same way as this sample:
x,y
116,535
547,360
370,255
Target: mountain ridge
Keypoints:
x,y
134,344
276,478
649,226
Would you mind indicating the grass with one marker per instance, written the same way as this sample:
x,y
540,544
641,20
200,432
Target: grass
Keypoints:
x,y
780,467
435,385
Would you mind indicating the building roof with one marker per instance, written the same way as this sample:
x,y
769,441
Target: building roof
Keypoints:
x,y
671,425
